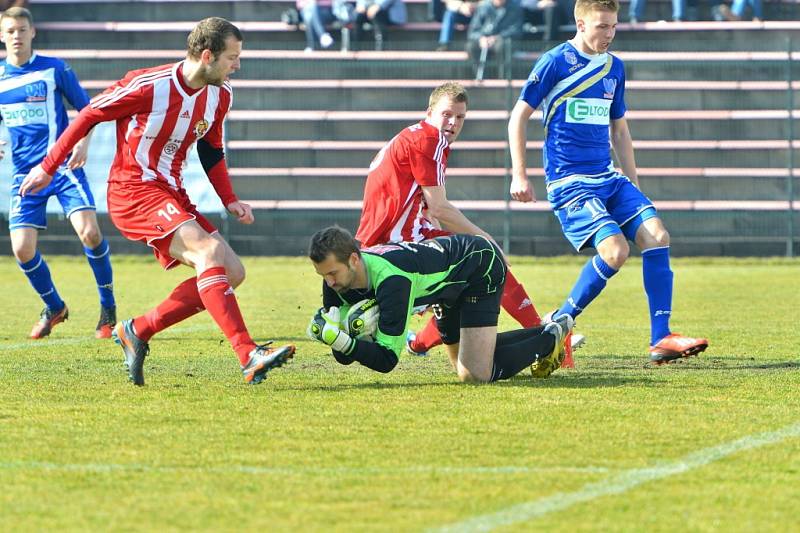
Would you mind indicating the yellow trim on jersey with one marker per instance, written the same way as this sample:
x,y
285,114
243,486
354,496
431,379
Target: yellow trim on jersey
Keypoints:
x,y
585,85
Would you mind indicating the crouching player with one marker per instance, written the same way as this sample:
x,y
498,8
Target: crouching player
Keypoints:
x,y
462,276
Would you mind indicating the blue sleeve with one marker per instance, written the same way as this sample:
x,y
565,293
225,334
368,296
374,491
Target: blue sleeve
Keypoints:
x,y
541,81
618,104
68,82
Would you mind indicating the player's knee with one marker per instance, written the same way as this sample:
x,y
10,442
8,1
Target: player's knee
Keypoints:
x,y
661,238
616,255
236,273
90,236
467,376
24,252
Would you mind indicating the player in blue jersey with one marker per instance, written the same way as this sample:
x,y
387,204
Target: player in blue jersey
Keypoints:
x,y
581,89
32,90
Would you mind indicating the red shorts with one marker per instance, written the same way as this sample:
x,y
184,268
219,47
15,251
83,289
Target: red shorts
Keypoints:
x,y
433,233
151,212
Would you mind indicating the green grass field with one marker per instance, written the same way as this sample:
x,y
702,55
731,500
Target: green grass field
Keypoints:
x,y
711,444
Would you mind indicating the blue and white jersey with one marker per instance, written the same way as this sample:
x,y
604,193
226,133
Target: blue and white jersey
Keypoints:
x,y
32,106
579,95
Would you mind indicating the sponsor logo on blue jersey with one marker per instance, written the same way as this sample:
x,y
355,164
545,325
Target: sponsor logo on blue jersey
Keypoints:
x,y
36,92
593,111
24,114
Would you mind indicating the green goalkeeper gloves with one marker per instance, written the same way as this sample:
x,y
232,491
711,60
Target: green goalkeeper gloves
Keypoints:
x,y
326,328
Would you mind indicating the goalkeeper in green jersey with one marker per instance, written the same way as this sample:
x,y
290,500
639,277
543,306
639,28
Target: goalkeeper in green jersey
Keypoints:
x,y
462,276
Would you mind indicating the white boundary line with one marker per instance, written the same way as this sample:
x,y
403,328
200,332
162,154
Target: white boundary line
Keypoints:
x,y
620,483
80,340
241,469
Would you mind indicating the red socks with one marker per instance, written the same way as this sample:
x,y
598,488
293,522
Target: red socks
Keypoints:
x,y
183,302
517,303
210,291
218,298
427,338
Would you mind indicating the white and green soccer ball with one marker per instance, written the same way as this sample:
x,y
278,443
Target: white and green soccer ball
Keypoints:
x,y
361,321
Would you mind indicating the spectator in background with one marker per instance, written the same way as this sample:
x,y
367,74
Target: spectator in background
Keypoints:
x,y
379,14
548,13
456,12
317,14
737,9
494,21
636,10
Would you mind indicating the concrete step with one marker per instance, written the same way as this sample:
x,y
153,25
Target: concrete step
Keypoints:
x,y
470,184
418,34
171,10
655,10
692,153
404,95
296,65
492,125
532,232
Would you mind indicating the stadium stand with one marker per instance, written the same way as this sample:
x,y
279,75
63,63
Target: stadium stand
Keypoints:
x,y
709,111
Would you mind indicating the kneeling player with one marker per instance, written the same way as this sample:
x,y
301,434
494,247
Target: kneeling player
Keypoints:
x,y
461,275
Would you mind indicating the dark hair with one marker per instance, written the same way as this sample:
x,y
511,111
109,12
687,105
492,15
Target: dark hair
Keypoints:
x,y
211,34
332,240
17,13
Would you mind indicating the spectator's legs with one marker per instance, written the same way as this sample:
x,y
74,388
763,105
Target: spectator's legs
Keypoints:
x,y
758,9
436,10
738,8
379,25
446,33
678,10
635,10
308,18
551,22
358,29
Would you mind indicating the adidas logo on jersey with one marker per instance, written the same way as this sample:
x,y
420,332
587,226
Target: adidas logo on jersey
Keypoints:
x,y
185,114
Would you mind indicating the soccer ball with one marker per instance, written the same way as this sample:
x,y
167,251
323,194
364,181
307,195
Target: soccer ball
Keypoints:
x,y
361,321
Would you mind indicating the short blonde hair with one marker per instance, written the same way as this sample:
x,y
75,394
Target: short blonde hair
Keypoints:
x,y
17,13
583,7
452,90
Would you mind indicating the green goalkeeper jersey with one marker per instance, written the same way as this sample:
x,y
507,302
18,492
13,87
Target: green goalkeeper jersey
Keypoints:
x,y
404,277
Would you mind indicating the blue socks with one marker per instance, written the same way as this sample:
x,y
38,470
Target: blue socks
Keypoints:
x,y
657,278
100,261
39,275
593,279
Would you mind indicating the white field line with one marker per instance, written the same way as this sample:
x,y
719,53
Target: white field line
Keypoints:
x,y
619,483
79,340
291,471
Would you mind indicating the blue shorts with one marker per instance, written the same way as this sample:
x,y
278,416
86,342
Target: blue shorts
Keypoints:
x,y
597,212
30,211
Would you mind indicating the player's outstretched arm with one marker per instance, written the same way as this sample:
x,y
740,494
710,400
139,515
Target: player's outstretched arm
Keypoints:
x,y
36,180
80,153
242,211
521,189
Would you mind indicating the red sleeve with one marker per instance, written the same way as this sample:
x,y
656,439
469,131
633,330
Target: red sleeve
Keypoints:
x,y
116,102
217,170
221,181
428,160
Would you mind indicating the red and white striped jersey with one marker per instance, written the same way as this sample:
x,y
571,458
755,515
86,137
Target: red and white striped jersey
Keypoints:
x,y
158,118
394,207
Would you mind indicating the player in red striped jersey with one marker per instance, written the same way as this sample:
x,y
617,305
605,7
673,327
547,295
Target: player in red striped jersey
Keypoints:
x,y
160,113
405,198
